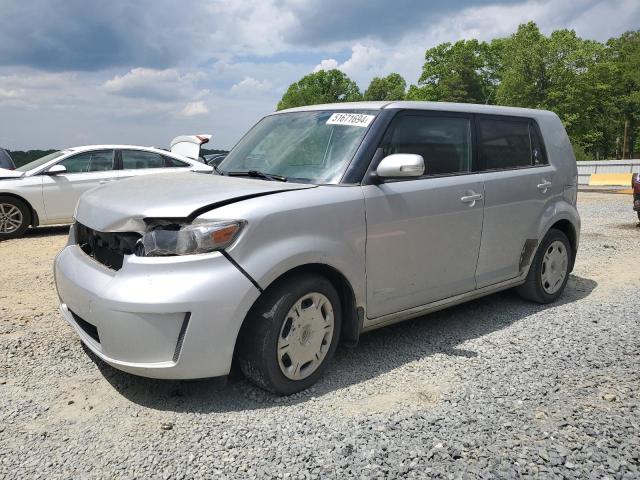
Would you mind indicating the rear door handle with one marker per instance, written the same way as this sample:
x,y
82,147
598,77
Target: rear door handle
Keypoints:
x,y
102,182
471,199
544,186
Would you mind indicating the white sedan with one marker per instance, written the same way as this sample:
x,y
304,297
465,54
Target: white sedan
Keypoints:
x,y
45,191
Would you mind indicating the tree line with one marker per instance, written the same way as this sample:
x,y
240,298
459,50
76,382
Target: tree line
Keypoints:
x,y
594,87
21,157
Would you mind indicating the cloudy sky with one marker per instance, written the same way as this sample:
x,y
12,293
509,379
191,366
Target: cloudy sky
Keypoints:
x,y
77,72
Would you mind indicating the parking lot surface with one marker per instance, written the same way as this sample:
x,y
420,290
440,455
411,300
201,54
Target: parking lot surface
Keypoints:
x,y
493,388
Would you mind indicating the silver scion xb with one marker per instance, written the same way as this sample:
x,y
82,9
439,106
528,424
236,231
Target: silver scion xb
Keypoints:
x,y
322,223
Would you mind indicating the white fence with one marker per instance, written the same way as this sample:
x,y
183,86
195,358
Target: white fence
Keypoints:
x,y
586,168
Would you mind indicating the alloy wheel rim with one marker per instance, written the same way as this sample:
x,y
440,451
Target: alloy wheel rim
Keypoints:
x,y
305,336
10,218
554,267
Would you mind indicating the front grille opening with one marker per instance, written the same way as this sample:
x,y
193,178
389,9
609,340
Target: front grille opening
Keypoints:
x,y
86,327
107,248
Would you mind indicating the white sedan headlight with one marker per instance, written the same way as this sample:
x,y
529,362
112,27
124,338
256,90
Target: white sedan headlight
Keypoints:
x,y
191,239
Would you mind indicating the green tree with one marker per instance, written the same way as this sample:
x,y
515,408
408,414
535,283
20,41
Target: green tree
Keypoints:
x,y
624,66
391,87
580,80
524,79
460,72
324,86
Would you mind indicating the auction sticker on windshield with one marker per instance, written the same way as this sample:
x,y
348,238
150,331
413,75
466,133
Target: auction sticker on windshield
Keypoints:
x,y
351,119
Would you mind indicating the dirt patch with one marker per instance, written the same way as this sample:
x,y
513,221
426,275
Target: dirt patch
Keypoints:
x,y
27,276
615,276
425,396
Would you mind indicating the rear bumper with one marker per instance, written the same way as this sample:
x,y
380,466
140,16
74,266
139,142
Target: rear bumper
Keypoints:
x,y
172,317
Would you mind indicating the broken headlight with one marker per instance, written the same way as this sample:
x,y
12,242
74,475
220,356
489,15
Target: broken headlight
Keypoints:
x,y
190,239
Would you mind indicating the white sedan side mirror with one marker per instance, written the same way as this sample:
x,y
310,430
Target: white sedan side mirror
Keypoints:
x,y
401,165
56,170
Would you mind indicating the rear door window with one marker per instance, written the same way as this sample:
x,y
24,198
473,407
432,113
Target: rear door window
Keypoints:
x,y
504,143
140,159
444,142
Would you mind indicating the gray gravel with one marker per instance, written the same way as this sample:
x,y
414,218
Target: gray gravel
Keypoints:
x,y
497,388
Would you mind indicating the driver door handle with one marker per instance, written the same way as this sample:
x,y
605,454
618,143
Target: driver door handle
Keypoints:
x,y
544,186
102,182
471,198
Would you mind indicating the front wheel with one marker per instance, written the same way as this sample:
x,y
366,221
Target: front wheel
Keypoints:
x,y
14,217
291,334
549,271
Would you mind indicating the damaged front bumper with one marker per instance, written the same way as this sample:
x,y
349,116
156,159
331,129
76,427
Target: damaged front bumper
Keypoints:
x,y
159,317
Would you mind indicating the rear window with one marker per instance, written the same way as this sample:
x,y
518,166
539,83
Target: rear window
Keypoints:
x,y
504,144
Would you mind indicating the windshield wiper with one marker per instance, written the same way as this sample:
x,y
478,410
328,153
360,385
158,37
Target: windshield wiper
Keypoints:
x,y
258,174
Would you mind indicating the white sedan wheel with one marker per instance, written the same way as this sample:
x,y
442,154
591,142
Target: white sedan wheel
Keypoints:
x,y
11,218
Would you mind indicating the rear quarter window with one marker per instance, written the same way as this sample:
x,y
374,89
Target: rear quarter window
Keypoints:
x,y
140,159
172,162
504,144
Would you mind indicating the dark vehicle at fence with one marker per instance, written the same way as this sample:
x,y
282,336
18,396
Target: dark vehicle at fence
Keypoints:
x,y
6,161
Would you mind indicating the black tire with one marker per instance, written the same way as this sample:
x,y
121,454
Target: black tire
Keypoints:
x,y
638,212
532,289
258,342
11,202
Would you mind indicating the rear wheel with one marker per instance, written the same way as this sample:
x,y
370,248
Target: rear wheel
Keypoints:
x,y
291,334
14,217
549,270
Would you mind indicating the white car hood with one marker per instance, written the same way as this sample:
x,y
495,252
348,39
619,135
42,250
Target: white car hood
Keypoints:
x,y
122,206
4,173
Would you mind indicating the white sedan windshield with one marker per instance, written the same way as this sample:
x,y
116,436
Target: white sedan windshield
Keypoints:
x,y
314,146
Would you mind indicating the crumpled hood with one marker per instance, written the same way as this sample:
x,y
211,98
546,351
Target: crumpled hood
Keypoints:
x,y
122,205
4,173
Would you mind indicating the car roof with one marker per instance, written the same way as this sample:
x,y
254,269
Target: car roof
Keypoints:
x,y
84,148
415,105
88,148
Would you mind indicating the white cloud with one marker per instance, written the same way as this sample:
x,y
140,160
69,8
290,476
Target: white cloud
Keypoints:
x,y
326,64
249,86
256,27
365,62
5,93
192,109
158,85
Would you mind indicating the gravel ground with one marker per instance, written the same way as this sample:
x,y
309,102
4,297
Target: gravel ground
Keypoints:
x,y
495,388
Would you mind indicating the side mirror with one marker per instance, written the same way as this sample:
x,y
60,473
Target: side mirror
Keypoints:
x,y
56,170
401,165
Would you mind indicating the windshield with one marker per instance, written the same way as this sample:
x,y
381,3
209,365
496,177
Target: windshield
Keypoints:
x,y
313,147
40,161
